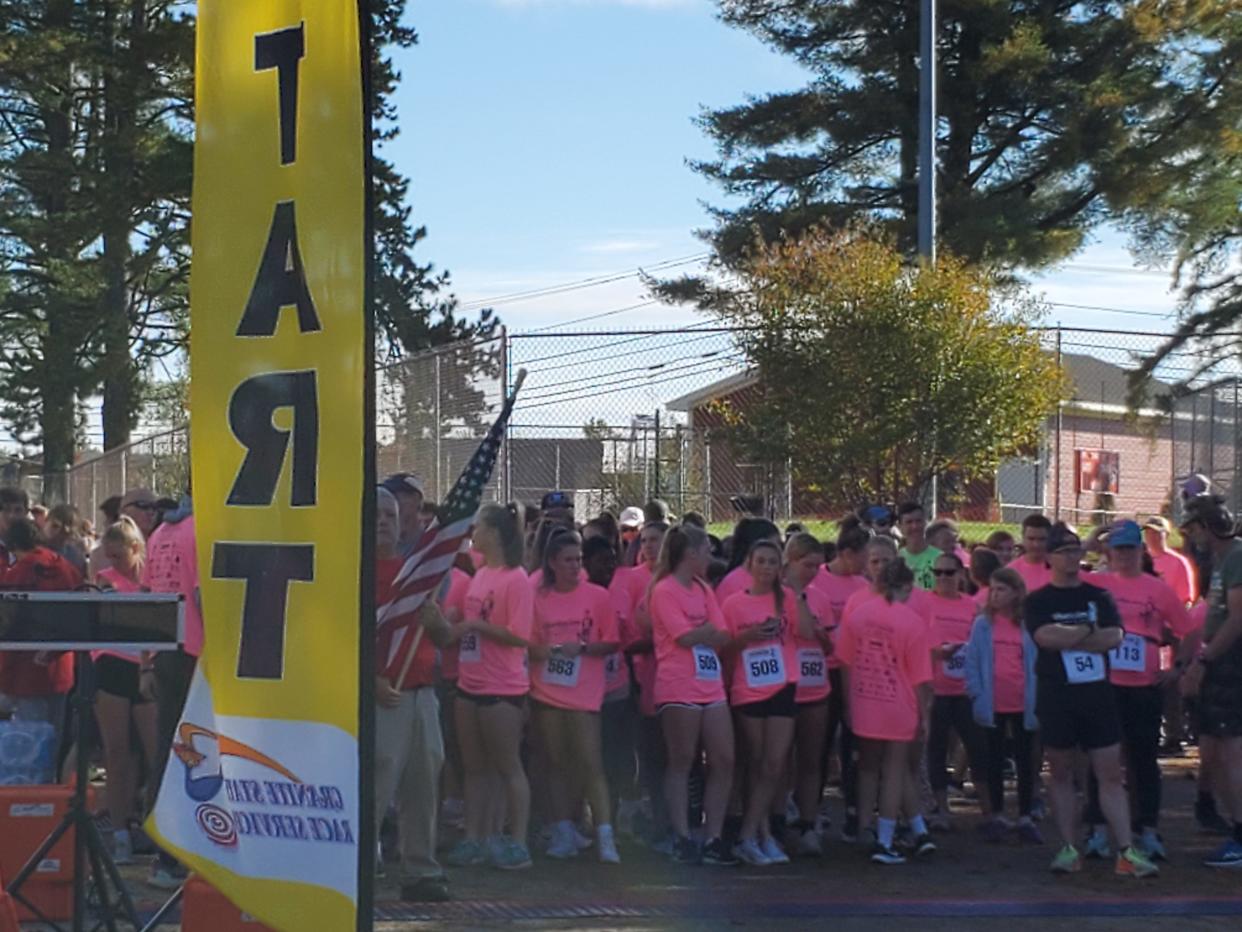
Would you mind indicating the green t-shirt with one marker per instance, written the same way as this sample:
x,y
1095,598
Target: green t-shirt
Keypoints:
x,y
921,564
1226,575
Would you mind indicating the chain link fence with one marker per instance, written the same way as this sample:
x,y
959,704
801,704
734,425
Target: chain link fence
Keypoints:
x,y
619,417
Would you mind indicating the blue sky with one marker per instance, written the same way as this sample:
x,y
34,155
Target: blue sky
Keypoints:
x,y
547,142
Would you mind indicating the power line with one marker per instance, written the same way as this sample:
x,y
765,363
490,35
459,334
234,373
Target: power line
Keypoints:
x,y
627,378
674,378
593,282
581,362
578,320
1164,315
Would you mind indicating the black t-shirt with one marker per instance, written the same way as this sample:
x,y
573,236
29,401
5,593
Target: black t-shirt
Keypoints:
x,y
1077,605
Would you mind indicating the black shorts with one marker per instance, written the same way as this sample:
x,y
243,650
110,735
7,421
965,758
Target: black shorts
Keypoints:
x,y
118,677
518,702
778,705
1220,697
1083,716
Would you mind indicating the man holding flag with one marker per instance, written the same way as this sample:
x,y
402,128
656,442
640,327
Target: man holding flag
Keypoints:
x,y
409,748
409,744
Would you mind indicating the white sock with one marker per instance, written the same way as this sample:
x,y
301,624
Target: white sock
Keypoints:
x,y
884,831
604,830
918,825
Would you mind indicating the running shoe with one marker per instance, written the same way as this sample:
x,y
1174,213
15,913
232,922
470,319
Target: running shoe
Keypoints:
x,y
886,854
563,845
608,847
774,852
810,844
1096,845
1029,832
1134,863
717,854
849,831
1067,861
748,852
666,846
467,853
426,890
166,873
511,855
582,841
1210,821
994,831
1153,845
1227,855
924,846
685,851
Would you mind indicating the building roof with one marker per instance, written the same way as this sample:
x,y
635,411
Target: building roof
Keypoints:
x,y
1096,382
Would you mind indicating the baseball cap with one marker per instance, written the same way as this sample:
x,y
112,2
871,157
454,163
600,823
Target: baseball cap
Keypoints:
x,y
877,513
1061,537
1197,484
631,517
557,500
404,482
1158,523
1125,534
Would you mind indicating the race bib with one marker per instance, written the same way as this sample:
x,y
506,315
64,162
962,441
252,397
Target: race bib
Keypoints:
x,y
764,666
1082,666
812,668
706,663
471,650
562,671
955,664
1130,655
612,668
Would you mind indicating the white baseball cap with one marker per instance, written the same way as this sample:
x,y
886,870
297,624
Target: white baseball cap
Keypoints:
x,y
632,517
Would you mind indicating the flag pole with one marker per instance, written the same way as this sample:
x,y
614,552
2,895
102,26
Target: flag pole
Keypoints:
x,y
418,635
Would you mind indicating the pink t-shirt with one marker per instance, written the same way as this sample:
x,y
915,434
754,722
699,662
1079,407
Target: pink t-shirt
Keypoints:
x,y
761,669
119,583
736,580
454,609
885,647
838,588
980,598
632,583
172,566
949,622
1178,572
685,674
616,670
1035,575
1148,607
813,666
499,596
1008,667
583,616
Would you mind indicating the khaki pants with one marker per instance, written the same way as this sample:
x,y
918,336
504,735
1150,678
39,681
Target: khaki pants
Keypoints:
x,y
409,752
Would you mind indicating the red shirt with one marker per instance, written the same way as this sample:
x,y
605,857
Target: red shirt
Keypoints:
x,y
422,670
21,675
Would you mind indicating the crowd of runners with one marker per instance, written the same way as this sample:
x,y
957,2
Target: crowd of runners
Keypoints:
x,y
636,675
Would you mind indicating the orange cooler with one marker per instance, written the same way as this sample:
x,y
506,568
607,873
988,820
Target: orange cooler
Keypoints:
x,y
206,909
28,814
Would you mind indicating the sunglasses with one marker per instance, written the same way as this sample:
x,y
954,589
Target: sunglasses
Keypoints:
x,y
944,572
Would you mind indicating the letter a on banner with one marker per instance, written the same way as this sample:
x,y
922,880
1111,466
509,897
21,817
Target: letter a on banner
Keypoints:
x,y
262,793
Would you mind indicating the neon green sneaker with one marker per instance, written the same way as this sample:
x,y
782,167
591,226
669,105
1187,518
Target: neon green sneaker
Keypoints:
x,y
1067,861
1134,863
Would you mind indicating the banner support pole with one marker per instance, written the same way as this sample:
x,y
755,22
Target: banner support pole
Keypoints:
x,y
366,607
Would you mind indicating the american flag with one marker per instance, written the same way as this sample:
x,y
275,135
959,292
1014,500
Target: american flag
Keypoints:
x,y
436,550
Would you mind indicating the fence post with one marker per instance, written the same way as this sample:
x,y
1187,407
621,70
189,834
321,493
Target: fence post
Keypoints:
x,y
439,432
1056,489
124,471
506,475
94,490
707,462
657,454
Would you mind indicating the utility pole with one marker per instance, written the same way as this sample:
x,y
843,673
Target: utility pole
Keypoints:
x,y
928,23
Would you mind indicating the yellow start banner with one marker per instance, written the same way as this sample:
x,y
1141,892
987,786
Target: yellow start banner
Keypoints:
x,y
261,795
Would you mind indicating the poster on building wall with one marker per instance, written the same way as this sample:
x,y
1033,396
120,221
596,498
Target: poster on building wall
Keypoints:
x,y
1097,471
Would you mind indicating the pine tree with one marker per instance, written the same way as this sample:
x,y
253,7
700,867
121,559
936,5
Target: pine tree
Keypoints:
x,y
1054,115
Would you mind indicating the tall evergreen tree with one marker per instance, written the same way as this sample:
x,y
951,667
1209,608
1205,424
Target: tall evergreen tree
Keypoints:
x,y
1054,114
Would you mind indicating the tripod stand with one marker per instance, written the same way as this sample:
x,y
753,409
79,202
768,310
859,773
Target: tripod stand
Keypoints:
x,y
88,843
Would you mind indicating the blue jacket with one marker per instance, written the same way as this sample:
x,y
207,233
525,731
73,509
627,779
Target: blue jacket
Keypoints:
x,y
980,675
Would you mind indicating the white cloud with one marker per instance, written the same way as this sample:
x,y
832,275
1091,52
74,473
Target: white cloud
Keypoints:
x,y
646,4
614,247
